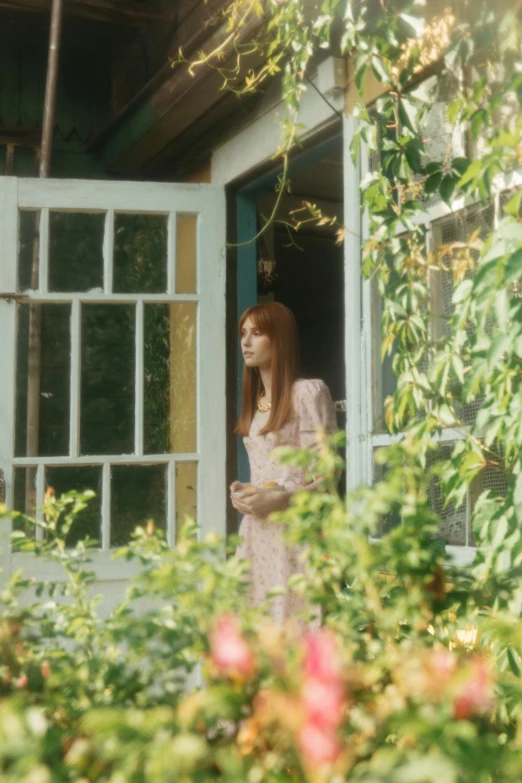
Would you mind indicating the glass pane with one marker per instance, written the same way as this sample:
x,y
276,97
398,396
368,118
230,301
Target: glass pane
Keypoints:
x,y
384,378
88,521
440,137
186,254
183,378
107,379
75,251
454,520
138,495
24,498
28,248
505,198
186,492
393,518
43,380
157,379
453,260
493,478
140,253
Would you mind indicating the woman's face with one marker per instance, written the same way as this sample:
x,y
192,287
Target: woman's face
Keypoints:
x,y
256,346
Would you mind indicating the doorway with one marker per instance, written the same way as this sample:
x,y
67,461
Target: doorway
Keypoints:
x,y
299,261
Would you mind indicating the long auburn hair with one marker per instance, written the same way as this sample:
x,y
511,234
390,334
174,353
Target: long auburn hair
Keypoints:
x,y
279,324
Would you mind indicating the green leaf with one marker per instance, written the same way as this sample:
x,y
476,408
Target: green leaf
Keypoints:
x,y
380,69
433,182
415,23
458,367
485,183
462,291
502,309
497,250
477,121
514,661
431,769
408,115
513,268
486,276
446,415
472,172
360,78
514,204
447,188
414,158
511,230
499,345
432,167
500,532
518,346
399,167
460,165
492,431
452,112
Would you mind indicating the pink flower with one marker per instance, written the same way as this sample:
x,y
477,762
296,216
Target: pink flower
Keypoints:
x,y
443,664
22,681
230,653
321,658
323,703
318,746
476,693
322,699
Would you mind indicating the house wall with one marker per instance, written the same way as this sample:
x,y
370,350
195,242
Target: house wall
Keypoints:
x,y
83,96
254,144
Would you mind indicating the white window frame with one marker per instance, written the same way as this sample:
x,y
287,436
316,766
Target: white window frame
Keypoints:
x,y
208,202
362,440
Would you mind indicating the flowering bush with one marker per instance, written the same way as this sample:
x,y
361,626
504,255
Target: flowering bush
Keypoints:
x,y
403,668
408,676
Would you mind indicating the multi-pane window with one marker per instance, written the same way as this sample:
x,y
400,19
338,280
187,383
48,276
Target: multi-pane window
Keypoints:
x,y
106,381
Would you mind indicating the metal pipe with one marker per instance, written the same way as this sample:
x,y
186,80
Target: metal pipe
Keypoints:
x,y
35,310
51,87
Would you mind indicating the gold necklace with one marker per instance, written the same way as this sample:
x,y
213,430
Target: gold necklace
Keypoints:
x,y
263,408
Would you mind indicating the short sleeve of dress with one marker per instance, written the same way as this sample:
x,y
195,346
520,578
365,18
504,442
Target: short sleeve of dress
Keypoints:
x,y
316,410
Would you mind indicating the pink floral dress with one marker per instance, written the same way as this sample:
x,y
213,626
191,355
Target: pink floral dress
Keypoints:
x,y
272,560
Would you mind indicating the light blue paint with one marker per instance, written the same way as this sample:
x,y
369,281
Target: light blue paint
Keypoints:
x,y
246,296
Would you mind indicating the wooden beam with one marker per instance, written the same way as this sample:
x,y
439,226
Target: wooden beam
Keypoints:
x,y
191,147
175,104
21,137
122,12
197,21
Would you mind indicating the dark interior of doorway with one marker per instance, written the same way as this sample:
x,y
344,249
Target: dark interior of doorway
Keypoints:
x,y
309,268
310,283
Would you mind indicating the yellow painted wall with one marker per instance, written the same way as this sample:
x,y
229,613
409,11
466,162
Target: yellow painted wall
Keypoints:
x,y
183,358
203,174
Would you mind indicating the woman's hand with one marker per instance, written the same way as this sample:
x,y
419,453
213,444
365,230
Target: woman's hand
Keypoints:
x,y
258,502
238,486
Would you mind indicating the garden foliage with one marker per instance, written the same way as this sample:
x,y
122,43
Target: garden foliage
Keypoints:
x,y
410,668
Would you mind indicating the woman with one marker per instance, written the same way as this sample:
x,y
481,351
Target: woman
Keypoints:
x,y
279,409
